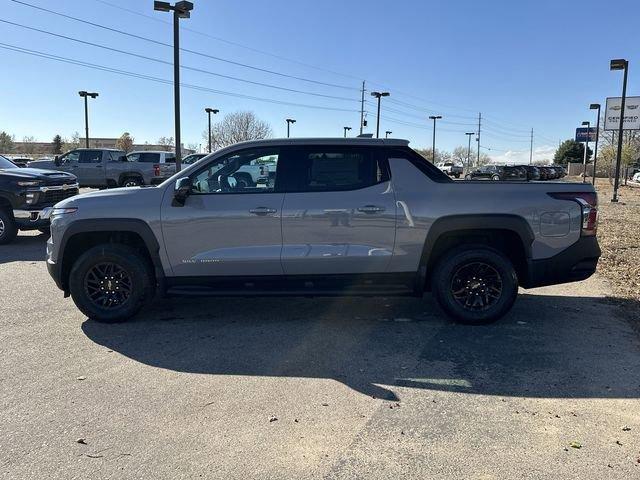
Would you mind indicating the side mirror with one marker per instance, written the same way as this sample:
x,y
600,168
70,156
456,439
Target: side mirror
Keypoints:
x,y
181,191
56,160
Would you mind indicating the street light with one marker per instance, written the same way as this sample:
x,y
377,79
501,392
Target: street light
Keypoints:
x,y
387,133
620,64
469,134
289,122
209,112
596,106
379,95
586,147
346,129
180,10
86,95
434,118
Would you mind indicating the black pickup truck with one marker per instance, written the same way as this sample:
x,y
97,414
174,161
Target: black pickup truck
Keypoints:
x,y
25,193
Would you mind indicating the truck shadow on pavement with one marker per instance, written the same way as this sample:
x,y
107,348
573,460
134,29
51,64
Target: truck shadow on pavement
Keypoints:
x,y
25,248
548,346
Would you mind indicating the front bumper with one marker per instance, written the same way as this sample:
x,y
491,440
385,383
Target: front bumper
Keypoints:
x,y
577,262
32,219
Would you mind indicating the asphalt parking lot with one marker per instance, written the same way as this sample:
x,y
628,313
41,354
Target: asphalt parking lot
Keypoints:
x,y
313,388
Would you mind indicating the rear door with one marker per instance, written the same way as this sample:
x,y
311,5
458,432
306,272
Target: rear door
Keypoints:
x,y
339,211
91,168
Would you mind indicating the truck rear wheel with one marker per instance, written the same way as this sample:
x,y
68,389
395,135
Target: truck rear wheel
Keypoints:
x,y
132,182
110,283
8,228
475,284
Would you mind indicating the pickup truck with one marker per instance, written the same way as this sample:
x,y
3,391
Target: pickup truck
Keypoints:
x,y
451,168
353,216
25,193
102,168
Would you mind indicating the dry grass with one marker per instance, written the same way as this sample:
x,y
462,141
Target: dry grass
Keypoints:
x,y
619,238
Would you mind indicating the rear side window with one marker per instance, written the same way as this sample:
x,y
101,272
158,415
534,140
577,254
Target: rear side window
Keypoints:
x,y
170,158
334,168
146,157
90,156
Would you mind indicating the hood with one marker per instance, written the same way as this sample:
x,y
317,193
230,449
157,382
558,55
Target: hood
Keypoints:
x,y
109,196
48,177
44,163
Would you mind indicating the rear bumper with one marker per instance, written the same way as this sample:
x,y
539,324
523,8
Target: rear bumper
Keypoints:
x,y
577,262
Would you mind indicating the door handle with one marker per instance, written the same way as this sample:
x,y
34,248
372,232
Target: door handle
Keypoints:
x,y
371,209
262,211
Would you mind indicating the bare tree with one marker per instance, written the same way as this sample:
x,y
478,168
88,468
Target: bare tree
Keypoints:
x,y
29,147
166,143
238,127
73,143
125,142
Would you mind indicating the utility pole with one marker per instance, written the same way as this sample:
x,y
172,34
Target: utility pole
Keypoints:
x,y
346,129
362,109
209,112
468,134
620,64
596,106
586,149
86,95
433,149
289,122
478,137
531,149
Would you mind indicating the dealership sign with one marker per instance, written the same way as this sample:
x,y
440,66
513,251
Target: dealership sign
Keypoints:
x,y
584,134
631,113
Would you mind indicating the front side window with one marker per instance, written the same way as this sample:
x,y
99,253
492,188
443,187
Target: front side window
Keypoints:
x,y
247,171
327,168
71,157
90,156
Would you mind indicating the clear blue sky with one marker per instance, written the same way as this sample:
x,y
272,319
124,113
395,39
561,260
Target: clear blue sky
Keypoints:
x,y
522,64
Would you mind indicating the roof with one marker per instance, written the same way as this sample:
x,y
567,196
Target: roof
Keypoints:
x,y
393,142
149,151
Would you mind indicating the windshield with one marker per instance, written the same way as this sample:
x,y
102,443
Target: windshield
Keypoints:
x,y
6,163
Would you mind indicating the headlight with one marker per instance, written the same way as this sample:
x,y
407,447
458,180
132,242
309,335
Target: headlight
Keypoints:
x,y
62,211
29,183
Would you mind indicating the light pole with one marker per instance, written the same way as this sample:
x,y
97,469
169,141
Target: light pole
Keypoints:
x,y
387,133
209,112
434,118
379,95
346,129
86,95
469,134
586,148
596,106
180,10
289,122
620,64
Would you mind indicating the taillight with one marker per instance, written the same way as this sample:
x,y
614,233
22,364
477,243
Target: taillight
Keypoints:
x,y
156,170
588,202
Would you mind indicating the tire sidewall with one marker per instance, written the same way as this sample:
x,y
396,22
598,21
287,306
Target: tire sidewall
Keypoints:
x,y
10,228
443,275
129,260
135,182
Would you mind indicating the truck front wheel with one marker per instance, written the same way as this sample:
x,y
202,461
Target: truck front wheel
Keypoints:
x,y
110,283
131,182
475,284
8,227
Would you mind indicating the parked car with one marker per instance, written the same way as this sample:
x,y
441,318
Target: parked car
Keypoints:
x,y
25,193
531,172
450,168
559,170
636,177
496,172
20,161
547,173
349,217
96,167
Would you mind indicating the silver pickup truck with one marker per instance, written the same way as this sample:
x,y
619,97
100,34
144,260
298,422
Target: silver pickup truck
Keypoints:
x,y
337,217
99,167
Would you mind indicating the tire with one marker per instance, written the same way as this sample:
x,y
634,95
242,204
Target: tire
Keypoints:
x,y
8,228
457,175
466,275
127,267
132,182
468,177
495,178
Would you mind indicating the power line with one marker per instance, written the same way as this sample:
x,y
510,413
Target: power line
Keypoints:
x,y
103,68
202,54
165,62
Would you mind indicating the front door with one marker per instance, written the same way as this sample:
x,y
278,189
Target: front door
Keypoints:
x,y
226,227
339,213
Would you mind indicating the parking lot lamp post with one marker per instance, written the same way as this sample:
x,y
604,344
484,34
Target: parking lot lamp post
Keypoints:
x,y
86,95
586,148
180,10
379,95
346,129
620,64
434,118
469,134
209,112
387,133
596,106
289,122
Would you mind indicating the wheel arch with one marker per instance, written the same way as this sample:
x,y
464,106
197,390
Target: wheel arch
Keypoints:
x,y
84,234
510,234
